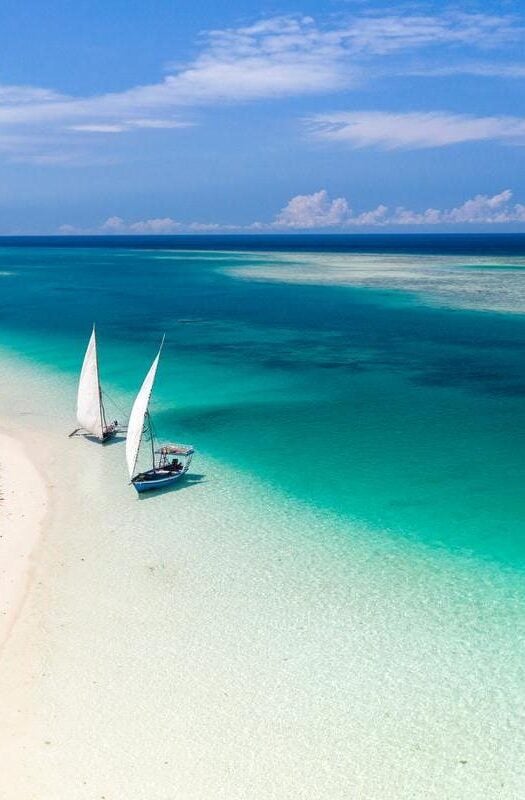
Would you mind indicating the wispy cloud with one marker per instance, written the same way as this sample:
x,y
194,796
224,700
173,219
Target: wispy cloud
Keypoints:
x,y
383,34
277,57
273,58
127,125
98,127
491,69
27,95
413,130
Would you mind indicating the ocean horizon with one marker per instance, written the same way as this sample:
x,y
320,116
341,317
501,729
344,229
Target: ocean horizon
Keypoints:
x,y
471,243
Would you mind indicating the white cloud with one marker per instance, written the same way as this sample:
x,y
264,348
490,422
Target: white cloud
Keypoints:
x,y
212,227
413,130
157,225
272,58
20,95
275,58
383,34
158,124
162,225
313,211
478,69
377,216
57,157
97,127
317,211
482,209
103,127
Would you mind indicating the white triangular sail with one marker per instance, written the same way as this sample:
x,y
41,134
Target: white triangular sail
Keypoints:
x,y
89,408
136,419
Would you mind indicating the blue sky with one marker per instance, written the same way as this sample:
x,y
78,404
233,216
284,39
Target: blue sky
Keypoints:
x,y
337,116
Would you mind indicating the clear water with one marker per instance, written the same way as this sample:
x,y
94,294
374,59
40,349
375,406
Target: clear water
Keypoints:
x,y
337,606
373,403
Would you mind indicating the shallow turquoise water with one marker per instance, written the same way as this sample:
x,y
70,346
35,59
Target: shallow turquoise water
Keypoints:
x,y
368,402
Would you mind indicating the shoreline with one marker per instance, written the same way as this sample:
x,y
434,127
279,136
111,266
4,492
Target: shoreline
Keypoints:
x,y
24,504
161,642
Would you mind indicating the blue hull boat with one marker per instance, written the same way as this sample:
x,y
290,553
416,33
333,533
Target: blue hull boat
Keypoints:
x,y
155,479
169,462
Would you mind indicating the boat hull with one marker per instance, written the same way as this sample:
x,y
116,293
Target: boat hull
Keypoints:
x,y
155,479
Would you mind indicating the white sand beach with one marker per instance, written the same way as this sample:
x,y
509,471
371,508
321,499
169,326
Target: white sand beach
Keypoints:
x,y
23,506
214,643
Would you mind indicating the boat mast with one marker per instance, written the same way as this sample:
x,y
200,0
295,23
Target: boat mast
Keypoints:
x,y
137,419
150,429
90,411
100,403
102,410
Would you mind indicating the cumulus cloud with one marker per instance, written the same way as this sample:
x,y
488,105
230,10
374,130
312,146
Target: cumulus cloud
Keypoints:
x,y
498,209
317,211
482,209
313,211
414,130
162,225
272,58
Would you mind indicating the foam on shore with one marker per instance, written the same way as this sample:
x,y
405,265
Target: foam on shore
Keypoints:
x,y
225,641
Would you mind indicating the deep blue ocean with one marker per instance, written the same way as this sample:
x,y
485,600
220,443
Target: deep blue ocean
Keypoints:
x,y
483,244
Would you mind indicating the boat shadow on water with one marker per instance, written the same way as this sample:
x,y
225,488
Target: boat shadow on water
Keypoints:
x,y
89,437
114,440
189,480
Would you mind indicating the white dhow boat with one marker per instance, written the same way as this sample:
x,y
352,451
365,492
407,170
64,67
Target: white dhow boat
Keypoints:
x,y
91,415
170,462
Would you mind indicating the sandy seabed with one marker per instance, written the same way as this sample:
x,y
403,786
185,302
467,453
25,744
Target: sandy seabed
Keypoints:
x,y
222,641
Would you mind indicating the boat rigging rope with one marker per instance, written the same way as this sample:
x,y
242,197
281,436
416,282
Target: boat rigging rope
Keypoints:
x,y
119,408
152,431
